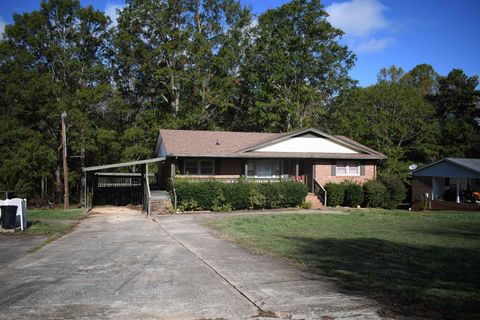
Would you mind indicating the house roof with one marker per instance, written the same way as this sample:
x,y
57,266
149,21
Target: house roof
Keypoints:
x,y
228,144
451,167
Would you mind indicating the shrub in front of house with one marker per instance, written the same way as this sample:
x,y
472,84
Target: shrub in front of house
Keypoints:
x,y
203,193
396,191
294,193
335,194
353,194
237,194
375,193
219,196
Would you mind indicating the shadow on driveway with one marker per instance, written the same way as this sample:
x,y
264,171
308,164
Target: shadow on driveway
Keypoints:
x,y
14,247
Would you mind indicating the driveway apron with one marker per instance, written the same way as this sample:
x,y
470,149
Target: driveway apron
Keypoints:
x,y
117,266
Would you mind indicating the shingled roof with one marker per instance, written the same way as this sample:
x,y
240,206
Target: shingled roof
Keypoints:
x,y
198,143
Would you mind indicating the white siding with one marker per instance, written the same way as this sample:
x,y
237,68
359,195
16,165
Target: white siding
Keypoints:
x,y
307,144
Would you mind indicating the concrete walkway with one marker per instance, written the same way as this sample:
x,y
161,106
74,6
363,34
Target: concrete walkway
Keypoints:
x,y
117,264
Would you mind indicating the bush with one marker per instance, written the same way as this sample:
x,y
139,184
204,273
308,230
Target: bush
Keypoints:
x,y
294,193
353,194
375,193
335,194
396,191
204,193
219,196
237,195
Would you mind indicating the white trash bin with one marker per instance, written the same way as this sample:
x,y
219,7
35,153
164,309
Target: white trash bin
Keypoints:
x,y
21,217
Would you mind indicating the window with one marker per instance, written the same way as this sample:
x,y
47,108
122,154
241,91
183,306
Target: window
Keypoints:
x,y
264,168
191,167
199,167
348,168
206,167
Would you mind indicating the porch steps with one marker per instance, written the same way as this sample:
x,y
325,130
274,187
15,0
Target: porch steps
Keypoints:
x,y
160,202
313,199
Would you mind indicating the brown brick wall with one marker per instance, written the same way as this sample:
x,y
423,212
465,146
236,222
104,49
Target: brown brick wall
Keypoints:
x,y
323,173
420,186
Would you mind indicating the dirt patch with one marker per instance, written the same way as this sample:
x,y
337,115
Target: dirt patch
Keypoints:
x,y
110,210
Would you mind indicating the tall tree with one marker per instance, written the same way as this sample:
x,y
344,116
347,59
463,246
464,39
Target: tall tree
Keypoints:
x,y
391,118
54,60
178,62
424,78
457,104
294,67
392,74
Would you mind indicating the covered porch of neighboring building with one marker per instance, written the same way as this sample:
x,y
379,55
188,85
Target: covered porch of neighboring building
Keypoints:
x,y
450,180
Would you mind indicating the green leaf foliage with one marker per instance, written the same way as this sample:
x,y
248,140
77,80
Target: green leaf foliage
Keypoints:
x,y
219,196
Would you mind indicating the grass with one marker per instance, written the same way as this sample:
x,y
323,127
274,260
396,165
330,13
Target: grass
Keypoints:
x,y
417,263
51,223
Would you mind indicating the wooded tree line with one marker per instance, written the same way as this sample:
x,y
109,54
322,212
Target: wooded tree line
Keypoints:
x,y
204,64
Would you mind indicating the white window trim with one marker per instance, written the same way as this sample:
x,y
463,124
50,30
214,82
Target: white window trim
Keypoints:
x,y
347,169
198,161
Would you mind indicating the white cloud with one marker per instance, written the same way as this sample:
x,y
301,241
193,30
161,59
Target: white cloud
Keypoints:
x,y
2,27
372,45
357,17
111,10
360,20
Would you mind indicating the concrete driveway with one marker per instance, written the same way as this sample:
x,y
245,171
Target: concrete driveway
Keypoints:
x,y
118,264
14,247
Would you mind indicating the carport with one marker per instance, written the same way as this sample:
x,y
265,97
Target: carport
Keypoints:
x,y
118,188
457,176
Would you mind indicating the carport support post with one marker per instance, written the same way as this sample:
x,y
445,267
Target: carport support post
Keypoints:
x,y
85,190
142,184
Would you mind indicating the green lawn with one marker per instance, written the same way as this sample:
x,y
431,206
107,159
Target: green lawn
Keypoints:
x,y
52,223
419,263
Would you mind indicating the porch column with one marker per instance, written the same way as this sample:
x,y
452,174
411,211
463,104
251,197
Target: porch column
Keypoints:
x,y
246,169
172,169
313,175
433,188
296,170
458,190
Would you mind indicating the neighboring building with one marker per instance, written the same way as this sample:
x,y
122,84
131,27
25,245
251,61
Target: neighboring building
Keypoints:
x,y
308,155
447,179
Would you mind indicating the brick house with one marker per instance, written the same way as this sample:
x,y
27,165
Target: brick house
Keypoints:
x,y
309,156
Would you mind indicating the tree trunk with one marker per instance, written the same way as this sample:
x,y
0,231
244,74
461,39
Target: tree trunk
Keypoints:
x,y
58,184
42,191
175,102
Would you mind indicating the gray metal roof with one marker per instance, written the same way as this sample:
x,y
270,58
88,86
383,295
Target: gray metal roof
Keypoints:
x,y
123,164
469,163
451,167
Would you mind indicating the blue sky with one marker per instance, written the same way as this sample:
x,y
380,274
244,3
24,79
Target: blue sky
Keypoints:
x,y
443,33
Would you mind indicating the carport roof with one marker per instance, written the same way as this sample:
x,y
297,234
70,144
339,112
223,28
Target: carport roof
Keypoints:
x,y
122,164
451,167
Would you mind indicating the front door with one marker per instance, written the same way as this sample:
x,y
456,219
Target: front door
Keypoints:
x,y
308,174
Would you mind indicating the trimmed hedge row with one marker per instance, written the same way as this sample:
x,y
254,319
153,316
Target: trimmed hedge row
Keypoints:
x,y
387,192
219,196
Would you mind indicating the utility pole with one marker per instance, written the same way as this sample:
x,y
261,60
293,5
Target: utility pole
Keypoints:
x,y
66,201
